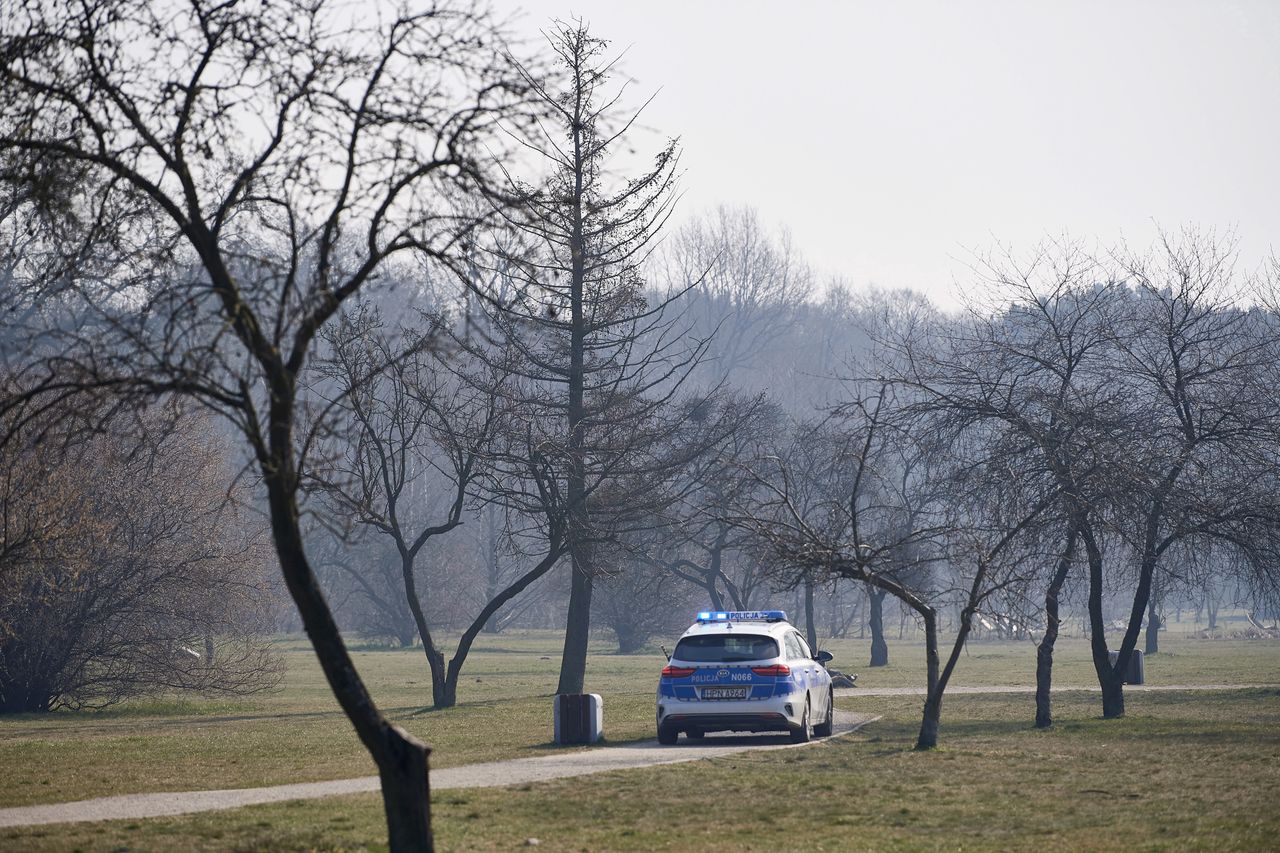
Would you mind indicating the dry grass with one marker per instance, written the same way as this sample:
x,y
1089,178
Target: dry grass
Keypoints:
x,y
299,735
1182,770
1186,771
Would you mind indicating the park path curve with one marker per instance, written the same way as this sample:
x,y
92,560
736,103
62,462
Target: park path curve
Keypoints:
x,y
492,774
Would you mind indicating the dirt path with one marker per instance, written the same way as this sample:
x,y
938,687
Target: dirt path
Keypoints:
x,y
493,774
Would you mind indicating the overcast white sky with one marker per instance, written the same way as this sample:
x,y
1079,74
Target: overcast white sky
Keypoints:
x,y
895,138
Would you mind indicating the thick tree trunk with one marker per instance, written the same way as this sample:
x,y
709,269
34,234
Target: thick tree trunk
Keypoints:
x,y
1044,652
441,696
879,649
1112,695
448,695
573,660
932,717
435,658
401,759
406,792
1108,679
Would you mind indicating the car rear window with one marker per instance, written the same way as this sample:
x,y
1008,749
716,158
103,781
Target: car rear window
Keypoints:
x,y
725,648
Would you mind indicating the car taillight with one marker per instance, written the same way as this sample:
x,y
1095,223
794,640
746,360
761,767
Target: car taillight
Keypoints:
x,y
779,669
677,671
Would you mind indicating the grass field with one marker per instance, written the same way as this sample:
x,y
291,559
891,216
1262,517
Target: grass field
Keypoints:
x,y
1181,770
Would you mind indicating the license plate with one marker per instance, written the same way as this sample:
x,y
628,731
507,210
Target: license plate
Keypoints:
x,y
724,693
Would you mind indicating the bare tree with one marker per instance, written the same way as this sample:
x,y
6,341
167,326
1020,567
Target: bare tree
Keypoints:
x,y
1120,397
820,514
211,183
418,432
427,422
596,360
124,571
742,284
1195,369
1037,364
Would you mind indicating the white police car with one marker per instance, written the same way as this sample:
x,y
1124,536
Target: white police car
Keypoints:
x,y
744,671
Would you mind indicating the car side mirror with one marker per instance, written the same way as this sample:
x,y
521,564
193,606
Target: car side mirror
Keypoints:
x,y
823,657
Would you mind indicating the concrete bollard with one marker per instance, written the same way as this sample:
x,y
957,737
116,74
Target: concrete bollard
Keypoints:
x,y
1136,673
579,718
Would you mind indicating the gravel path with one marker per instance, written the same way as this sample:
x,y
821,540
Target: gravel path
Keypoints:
x,y
845,692
516,771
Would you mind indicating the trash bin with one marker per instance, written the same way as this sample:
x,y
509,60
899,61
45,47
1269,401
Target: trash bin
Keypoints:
x,y
1135,673
579,718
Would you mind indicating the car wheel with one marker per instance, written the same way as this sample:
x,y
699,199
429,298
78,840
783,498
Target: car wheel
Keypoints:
x,y
825,729
667,735
804,734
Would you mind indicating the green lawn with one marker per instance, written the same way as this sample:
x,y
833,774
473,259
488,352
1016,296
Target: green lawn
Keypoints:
x,y
1182,769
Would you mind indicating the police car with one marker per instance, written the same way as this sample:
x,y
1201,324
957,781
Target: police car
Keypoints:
x,y
744,671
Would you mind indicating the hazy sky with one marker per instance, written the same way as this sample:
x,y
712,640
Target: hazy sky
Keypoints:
x,y
894,138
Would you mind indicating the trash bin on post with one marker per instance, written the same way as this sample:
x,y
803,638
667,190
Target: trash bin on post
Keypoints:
x,y
1134,674
579,718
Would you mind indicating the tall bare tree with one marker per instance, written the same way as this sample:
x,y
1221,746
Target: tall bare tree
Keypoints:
x,y
211,183
597,360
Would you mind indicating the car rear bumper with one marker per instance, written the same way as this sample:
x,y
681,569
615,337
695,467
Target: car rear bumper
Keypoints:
x,y
773,715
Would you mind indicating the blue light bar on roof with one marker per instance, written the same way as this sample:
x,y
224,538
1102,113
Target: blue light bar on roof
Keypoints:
x,y
742,616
